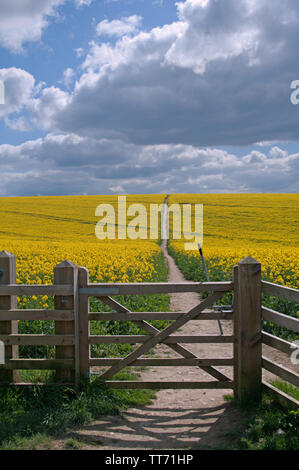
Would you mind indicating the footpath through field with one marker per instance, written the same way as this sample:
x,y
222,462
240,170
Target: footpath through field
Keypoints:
x,y
177,419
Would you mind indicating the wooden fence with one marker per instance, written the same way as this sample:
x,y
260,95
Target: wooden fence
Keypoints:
x,y
72,339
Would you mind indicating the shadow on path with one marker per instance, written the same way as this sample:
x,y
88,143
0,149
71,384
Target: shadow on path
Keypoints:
x,y
153,427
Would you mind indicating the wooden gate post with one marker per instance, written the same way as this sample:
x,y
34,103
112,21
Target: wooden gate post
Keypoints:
x,y
83,312
248,334
65,273
236,331
8,302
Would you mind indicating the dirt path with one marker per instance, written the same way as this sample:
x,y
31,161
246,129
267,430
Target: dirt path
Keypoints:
x,y
177,419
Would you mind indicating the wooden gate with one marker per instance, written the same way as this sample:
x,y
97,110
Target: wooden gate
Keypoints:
x,y
155,336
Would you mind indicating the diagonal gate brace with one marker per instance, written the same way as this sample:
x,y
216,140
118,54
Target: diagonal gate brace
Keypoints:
x,y
161,335
175,347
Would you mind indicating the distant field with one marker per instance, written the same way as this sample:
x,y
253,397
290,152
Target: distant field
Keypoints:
x,y
43,231
51,218
264,226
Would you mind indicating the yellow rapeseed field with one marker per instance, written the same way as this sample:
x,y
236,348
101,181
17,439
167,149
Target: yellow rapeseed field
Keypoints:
x,y
264,226
43,231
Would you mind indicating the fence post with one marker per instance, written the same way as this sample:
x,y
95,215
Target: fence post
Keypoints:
x,y
236,330
83,308
65,273
8,302
248,337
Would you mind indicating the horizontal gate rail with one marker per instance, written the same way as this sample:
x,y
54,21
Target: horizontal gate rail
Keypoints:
x,y
63,315
38,340
128,384
164,362
280,319
277,290
127,339
281,371
102,289
132,316
277,343
36,289
38,364
284,399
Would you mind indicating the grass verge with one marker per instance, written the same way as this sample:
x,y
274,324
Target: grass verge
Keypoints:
x,y
271,427
29,418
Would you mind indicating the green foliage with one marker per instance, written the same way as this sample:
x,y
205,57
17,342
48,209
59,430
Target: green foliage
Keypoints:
x,y
271,427
38,442
73,444
286,388
49,411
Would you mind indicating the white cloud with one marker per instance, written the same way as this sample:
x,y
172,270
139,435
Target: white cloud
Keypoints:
x,y
216,31
24,21
21,21
18,124
277,152
126,25
80,3
266,143
70,164
19,89
79,52
44,109
68,77
208,79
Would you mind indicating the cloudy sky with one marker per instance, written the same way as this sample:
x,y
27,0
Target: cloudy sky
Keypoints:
x,y
148,96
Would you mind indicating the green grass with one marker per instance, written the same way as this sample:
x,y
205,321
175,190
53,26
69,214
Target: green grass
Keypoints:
x,y
73,444
37,442
228,398
271,427
37,376
29,418
286,388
